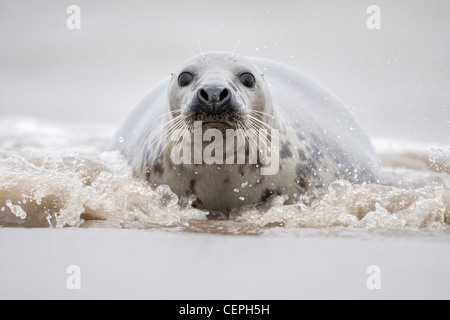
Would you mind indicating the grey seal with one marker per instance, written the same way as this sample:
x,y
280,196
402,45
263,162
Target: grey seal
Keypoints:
x,y
319,141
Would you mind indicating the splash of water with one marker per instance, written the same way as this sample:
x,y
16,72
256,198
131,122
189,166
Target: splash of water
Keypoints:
x,y
68,181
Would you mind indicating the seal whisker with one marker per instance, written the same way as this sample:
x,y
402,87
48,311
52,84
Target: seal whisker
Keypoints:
x,y
163,123
174,119
256,117
191,51
167,114
169,125
172,125
241,54
244,128
173,136
161,137
261,122
174,111
255,140
170,113
202,54
248,127
235,48
262,113
261,125
181,132
189,119
256,131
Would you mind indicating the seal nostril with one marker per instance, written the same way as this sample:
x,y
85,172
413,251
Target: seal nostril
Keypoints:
x,y
204,95
224,94
213,98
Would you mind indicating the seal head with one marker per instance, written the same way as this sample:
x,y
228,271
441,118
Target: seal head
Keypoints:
x,y
218,90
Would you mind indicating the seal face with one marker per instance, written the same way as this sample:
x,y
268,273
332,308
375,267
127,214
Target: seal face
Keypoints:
x,y
219,90
235,131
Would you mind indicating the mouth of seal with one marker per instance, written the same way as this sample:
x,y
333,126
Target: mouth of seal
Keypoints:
x,y
227,119
217,125
221,122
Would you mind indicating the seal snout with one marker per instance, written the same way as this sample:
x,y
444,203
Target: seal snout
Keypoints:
x,y
213,99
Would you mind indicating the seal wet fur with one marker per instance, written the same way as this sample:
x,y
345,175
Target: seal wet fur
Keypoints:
x,y
319,140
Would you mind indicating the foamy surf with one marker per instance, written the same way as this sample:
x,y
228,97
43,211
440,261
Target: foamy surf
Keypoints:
x,y
57,175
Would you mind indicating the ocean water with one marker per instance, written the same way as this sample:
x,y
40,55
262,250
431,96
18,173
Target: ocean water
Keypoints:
x,y
56,175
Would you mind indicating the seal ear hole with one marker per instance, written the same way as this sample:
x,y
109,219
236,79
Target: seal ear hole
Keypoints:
x,y
248,80
185,78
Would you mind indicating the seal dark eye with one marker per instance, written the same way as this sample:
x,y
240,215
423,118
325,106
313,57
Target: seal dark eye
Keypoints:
x,y
185,79
247,80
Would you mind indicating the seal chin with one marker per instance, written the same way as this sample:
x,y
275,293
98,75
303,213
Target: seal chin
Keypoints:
x,y
222,125
221,122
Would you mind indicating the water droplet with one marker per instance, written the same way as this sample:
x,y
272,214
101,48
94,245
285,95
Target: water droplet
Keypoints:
x,y
16,210
244,184
241,198
121,139
236,190
168,198
2,209
432,158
